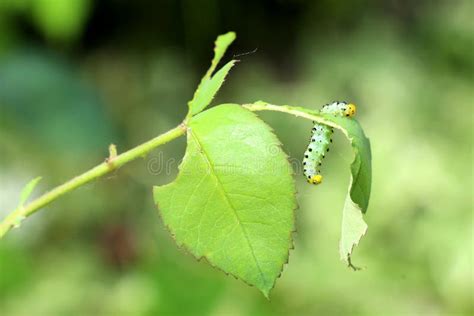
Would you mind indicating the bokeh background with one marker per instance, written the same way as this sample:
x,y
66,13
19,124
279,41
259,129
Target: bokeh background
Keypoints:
x,y
77,75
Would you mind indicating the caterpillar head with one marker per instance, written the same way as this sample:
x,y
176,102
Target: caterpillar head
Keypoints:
x,y
316,179
350,110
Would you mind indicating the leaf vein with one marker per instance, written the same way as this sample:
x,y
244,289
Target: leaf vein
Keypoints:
x,y
203,152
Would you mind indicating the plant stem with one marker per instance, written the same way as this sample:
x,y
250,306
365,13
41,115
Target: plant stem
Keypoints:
x,y
116,161
294,110
113,162
297,111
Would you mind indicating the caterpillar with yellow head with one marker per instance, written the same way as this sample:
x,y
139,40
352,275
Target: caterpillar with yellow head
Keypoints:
x,y
320,140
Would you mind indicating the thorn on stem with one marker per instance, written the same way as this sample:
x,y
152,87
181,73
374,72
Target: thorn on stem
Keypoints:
x,y
112,155
112,151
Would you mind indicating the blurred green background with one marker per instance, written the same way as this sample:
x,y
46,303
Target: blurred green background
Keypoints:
x,y
76,75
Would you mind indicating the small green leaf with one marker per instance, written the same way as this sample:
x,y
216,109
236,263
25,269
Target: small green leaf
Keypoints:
x,y
222,43
27,190
233,200
208,86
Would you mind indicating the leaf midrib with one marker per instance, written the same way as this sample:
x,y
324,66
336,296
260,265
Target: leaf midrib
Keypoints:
x,y
203,152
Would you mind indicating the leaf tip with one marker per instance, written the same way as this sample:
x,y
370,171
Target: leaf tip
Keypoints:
x,y
266,293
228,37
353,229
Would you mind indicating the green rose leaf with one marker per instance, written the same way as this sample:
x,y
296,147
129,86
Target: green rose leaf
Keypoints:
x,y
234,198
357,201
209,86
361,167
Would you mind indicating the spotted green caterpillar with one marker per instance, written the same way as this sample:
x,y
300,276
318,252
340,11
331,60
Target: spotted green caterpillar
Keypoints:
x,y
320,139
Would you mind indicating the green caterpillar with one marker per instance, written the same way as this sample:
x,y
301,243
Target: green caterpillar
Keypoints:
x,y
320,140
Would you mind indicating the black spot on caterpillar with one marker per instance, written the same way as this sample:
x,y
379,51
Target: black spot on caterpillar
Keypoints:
x,y
320,139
